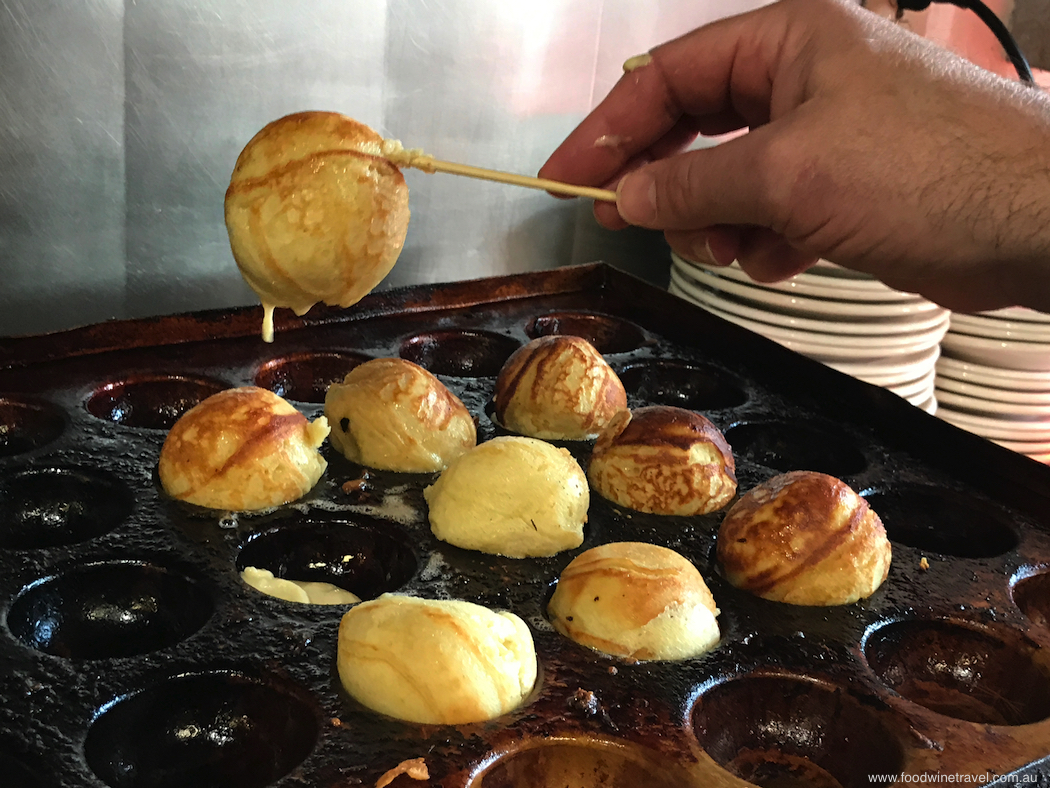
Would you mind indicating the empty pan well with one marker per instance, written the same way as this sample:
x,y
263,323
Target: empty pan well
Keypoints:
x,y
949,522
212,730
786,731
111,609
26,425
153,402
682,385
46,507
585,763
992,677
365,560
305,377
475,354
608,334
796,447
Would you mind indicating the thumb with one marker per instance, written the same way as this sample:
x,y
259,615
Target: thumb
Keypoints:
x,y
724,184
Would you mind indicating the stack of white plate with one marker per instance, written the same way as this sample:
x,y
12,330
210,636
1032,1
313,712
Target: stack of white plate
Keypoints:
x,y
845,319
993,378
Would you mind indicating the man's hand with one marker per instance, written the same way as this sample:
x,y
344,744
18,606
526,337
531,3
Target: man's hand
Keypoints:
x,y
867,145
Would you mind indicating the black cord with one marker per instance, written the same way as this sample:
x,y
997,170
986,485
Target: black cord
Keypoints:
x,y
994,23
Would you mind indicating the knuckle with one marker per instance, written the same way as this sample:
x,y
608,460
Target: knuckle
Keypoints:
x,y
677,196
783,181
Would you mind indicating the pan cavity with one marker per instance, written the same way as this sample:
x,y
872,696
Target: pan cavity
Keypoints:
x,y
1031,593
796,447
366,560
465,354
785,731
305,377
994,677
681,385
586,762
153,402
26,425
608,334
204,729
948,522
48,507
111,609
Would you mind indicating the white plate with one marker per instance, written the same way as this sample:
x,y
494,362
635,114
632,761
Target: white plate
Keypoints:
x,y
836,352
864,345
790,303
913,324
978,326
919,398
1032,356
1019,313
996,429
835,347
1001,410
978,391
931,406
892,369
982,374
1026,447
810,284
826,268
924,386
892,382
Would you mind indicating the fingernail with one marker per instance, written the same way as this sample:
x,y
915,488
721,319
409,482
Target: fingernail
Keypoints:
x,y
701,253
710,254
636,62
636,198
725,249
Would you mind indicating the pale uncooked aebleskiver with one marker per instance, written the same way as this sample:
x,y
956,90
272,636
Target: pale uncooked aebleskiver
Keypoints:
x,y
513,496
437,662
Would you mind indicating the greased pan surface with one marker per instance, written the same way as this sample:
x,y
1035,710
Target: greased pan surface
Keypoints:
x,y
133,655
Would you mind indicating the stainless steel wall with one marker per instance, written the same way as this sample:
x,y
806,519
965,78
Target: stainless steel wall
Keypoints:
x,y
120,121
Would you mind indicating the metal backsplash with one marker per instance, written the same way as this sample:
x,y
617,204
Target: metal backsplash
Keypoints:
x,y
120,121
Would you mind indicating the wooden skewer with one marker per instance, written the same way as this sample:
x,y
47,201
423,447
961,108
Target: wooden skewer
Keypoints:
x,y
428,164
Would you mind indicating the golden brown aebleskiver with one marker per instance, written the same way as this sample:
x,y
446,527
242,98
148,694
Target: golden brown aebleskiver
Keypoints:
x,y
805,538
557,388
394,415
315,212
635,600
663,460
242,449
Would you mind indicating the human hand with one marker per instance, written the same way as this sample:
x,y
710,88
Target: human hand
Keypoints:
x,y
868,146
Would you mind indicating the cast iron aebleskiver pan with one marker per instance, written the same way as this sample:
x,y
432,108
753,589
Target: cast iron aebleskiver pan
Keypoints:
x,y
132,654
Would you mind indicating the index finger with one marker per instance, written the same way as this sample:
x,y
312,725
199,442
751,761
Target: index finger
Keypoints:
x,y
715,79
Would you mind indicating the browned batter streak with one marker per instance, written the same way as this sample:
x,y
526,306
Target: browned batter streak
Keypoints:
x,y
288,168
675,430
276,427
764,581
